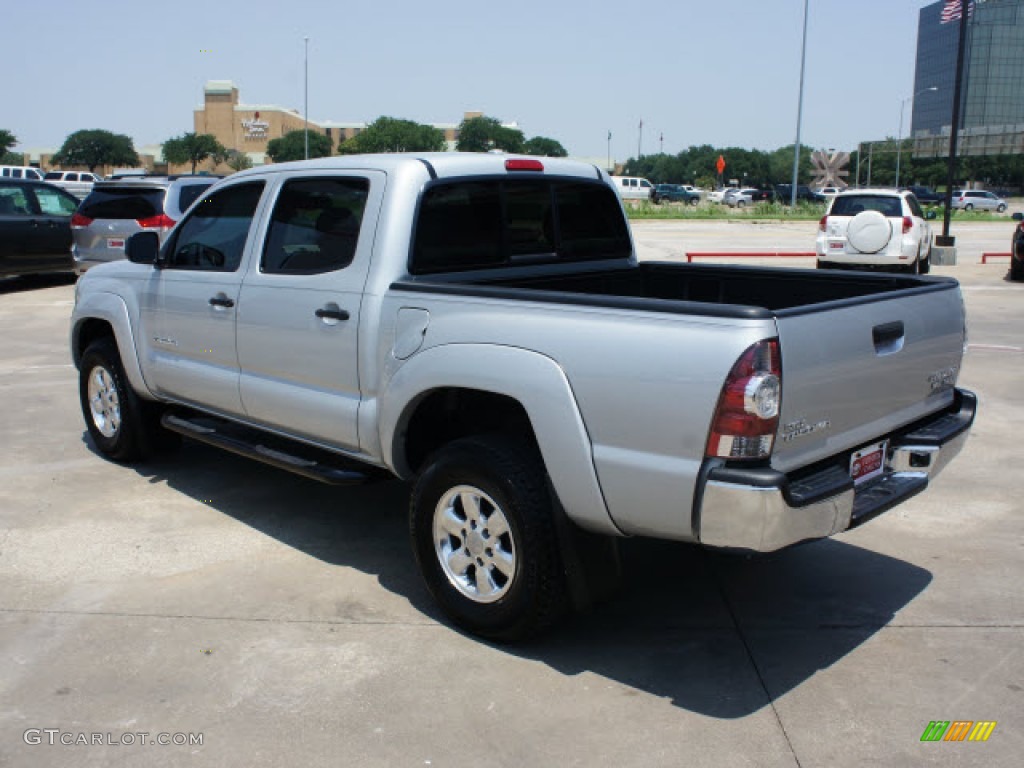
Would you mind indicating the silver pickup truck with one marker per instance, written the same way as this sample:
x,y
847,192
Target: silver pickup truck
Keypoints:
x,y
479,325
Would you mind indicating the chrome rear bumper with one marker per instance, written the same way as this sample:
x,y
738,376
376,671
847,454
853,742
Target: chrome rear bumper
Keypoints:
x,y
764,510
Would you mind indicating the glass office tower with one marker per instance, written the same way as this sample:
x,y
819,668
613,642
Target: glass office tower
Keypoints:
x,y
993,72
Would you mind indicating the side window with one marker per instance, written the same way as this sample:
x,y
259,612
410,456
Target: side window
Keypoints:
x,y
213,236
16,173
645,184
71,177
915,207
53,203
189,193
13,202
315,226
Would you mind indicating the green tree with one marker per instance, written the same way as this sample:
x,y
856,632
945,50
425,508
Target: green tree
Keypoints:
x,y
482,134
238,161
96,147
7,141
292,145
542,145
392,134
193,148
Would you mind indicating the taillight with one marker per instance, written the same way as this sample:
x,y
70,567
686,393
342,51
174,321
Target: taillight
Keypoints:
x,y
163,221
823,223
79,221
908,224
747,415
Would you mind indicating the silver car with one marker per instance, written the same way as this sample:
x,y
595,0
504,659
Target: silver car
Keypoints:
x,y
971,199
117,209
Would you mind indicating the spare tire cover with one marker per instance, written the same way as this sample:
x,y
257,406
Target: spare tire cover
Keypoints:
x,y
869,232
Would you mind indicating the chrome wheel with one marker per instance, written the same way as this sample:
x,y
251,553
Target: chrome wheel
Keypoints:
x,y
104,403
473,544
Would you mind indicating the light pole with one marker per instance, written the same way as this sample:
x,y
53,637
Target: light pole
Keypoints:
x,y
305,108
799,113
899,133
609,151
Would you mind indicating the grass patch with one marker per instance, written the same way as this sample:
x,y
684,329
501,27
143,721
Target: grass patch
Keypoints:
x,y
770,211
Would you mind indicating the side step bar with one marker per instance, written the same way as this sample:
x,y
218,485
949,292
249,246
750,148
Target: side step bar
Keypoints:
x,y
249,443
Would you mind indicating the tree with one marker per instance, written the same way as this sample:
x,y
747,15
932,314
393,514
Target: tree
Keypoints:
x,y
238,161
193,148
96,147
292,146
7,140
542,145
482,134
392,134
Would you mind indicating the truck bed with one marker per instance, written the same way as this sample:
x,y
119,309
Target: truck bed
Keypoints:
x,y
730,291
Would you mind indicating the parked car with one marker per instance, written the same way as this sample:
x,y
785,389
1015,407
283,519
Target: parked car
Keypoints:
x,y
784,194
828,192
35,227
675,193
633,187
78,183
20,172
927,196
117,209
969,199
875,228
1017,249
718,195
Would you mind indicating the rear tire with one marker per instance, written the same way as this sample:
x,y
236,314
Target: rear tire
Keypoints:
x,y
483,532
924,267
1016,269
969,207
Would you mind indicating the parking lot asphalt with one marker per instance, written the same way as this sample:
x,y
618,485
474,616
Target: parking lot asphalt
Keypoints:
x,y
282,622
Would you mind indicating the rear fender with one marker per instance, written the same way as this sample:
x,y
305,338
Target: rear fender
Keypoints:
x,y
537,383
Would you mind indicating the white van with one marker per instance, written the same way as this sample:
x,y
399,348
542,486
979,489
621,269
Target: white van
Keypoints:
x,y
78,183
633,187
21,172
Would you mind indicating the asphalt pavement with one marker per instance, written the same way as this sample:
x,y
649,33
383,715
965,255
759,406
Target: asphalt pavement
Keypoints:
x,y
276,621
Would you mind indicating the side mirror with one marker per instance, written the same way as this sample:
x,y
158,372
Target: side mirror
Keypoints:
x,y
143,248
929,215
1018,216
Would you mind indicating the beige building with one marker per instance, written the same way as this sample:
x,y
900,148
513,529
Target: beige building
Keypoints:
x,y
249,128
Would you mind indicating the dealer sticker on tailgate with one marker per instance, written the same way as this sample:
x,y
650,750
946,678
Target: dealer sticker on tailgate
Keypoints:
x,y
868,462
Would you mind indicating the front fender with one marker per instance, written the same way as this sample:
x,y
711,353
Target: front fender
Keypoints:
x,y
537,383
111,309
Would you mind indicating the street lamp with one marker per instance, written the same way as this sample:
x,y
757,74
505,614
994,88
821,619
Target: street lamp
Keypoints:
x,y
899,139
305,108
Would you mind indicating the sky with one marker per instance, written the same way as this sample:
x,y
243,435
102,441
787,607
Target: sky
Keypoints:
x,y
724,73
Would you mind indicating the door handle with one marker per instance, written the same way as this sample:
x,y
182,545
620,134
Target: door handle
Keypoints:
x,y
332,314
222,301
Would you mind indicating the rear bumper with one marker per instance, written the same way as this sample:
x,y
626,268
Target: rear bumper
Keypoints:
x,y
763,510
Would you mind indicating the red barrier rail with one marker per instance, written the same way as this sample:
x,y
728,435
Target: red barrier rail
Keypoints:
x,y
691,255
986,256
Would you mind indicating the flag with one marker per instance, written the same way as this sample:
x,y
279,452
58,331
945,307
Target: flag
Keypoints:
x,y
953,10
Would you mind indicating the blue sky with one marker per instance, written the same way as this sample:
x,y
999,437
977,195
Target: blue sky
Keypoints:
x,y
723,73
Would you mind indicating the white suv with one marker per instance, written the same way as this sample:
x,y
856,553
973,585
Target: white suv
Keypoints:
x,y
875,228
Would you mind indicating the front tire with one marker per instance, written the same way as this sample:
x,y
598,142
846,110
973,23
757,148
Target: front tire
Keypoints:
x,y
1000,208
121,426
483,532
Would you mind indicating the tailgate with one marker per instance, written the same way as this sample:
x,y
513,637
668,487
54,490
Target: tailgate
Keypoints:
x,y
853,371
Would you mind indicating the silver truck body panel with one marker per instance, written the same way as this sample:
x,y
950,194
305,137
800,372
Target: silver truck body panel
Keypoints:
x,y
620,400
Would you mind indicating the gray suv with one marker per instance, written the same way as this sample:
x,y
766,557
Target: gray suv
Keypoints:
x,y
117,209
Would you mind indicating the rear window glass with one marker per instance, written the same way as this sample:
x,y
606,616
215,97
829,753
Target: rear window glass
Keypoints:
x,y
492,223
851,205
123,203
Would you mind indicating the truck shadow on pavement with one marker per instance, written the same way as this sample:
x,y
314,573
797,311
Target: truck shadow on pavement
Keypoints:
x,y
718,634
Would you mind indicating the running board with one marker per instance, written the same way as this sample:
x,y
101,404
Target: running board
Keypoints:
x,y
250,443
